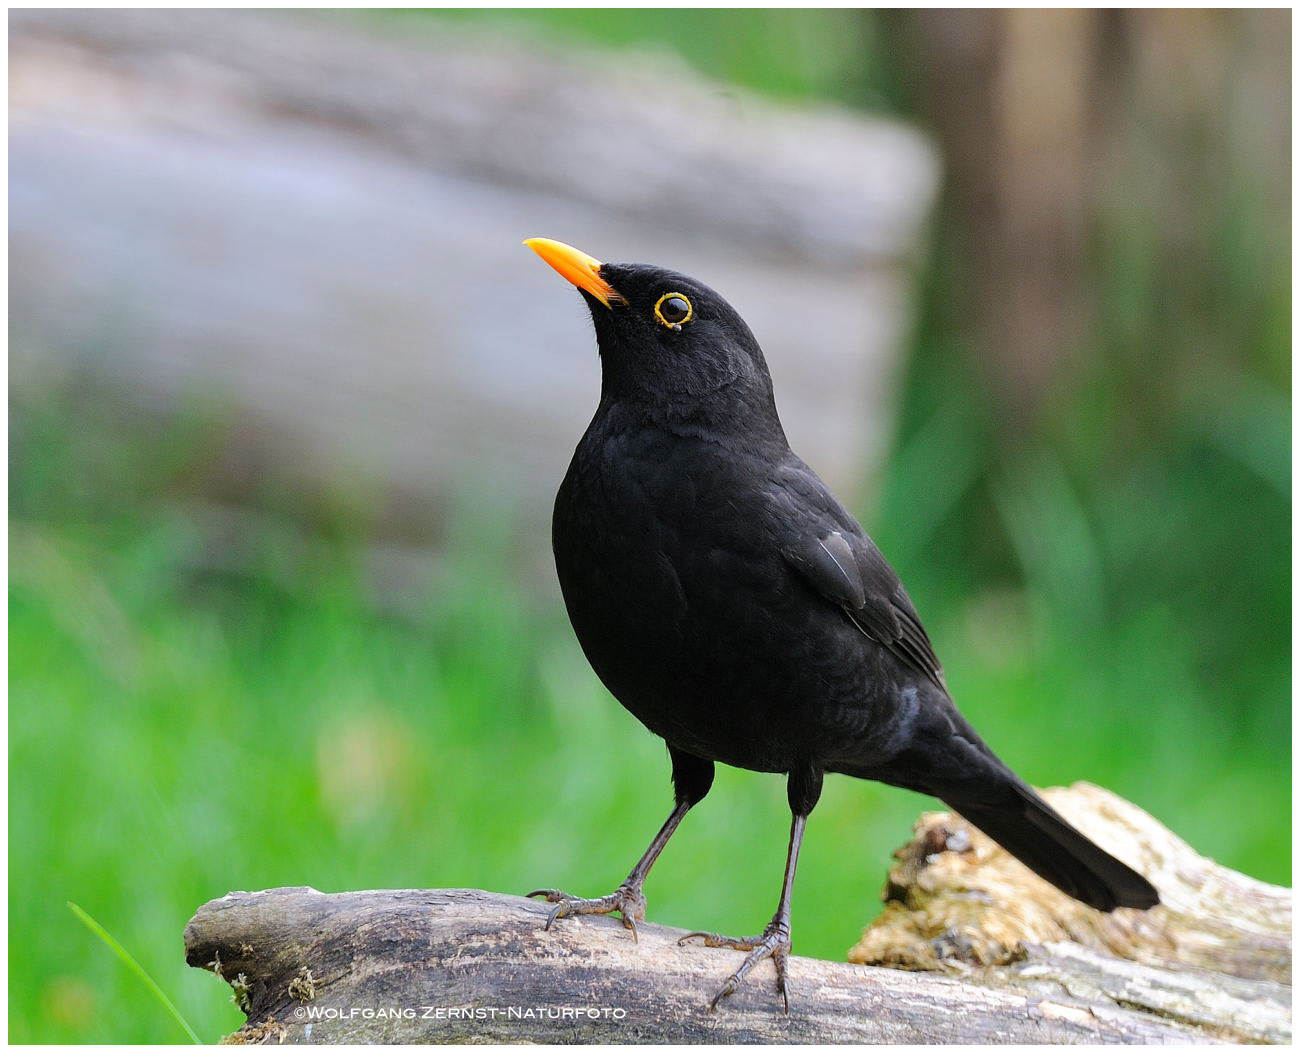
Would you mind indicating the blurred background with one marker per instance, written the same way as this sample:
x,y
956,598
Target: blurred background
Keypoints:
x,y
289,403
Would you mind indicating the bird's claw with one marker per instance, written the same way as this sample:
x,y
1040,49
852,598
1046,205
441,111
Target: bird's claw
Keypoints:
x,y
712,939
774,944
628,901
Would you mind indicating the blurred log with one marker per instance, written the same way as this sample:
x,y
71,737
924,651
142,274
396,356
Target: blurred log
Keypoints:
x,y
315,223
460,965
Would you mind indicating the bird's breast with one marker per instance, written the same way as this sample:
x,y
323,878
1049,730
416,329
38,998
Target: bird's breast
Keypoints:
x,y
682,603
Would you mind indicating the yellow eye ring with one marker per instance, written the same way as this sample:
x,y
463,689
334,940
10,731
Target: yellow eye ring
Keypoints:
x,y
678,319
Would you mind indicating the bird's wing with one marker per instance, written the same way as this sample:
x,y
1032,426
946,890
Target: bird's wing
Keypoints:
x,y
831,553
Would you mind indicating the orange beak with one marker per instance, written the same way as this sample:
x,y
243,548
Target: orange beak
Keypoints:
x,y
577,267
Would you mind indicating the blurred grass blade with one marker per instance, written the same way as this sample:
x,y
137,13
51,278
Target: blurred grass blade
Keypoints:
x,y
136,968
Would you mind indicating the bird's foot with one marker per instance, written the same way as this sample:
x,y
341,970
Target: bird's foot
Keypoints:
x,y
774,944
626,899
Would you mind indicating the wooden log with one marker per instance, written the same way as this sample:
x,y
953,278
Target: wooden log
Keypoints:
x,y
956,898
310,225
462,965
456,965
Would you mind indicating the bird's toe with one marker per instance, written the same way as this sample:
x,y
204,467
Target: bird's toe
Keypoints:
x,y
625,900
774,943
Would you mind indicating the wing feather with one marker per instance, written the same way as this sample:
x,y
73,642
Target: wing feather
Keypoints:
x,y
832,553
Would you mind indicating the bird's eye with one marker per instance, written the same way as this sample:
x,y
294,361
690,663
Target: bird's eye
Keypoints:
x,y
673,309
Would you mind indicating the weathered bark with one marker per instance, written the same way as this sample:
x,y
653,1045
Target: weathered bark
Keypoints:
x,y
450,965
957,899
460,965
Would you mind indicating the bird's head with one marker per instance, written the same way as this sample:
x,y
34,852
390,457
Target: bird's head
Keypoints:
x,y
666,340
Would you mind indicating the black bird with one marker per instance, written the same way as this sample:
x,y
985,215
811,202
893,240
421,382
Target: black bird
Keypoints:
x,y
731,603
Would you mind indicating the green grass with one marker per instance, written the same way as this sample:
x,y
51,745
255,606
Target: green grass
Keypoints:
x,y
128,960
173,739
176,733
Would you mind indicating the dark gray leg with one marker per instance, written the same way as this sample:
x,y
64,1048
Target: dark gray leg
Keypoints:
x,y
692,779
803,790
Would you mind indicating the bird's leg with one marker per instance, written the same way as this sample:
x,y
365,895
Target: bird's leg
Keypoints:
x,y
692,778
774,942
627,899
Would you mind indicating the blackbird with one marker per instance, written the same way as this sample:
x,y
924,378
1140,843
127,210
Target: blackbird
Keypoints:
x,y
734,607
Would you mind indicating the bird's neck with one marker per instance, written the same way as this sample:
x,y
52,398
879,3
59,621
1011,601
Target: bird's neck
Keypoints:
x,y
744,417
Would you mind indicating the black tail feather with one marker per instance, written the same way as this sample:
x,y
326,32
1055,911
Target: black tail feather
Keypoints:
x,y
1036,834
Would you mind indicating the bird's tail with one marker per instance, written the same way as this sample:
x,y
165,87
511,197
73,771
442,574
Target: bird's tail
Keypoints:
x,y
1036,834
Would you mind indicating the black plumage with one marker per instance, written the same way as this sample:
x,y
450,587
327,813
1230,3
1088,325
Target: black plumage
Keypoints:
x,y
731,603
